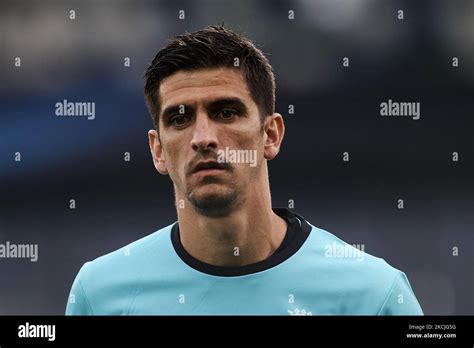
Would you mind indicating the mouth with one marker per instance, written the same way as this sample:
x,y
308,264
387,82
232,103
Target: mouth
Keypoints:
x,y
209,168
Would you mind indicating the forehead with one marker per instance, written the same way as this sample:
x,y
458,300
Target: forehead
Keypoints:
x,y
190,87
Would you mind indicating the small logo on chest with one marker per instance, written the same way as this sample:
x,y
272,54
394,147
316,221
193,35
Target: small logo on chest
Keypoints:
x,y
298,311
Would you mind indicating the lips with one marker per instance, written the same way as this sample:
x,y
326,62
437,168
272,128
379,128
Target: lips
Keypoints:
x,y
209,165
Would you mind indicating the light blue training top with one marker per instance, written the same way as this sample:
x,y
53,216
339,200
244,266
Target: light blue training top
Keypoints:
x,y
312,273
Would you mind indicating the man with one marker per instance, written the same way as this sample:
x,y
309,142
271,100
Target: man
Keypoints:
x,y
211,95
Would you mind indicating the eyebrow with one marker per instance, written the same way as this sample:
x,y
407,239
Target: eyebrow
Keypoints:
x,y
210,105
227,102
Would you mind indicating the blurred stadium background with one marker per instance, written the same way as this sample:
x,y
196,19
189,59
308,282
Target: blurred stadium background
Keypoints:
x,y
336,110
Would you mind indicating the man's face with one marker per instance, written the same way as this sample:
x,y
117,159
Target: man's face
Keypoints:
x,y
204,112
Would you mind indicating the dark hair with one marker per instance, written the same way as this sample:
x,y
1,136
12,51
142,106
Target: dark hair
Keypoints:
x,y
212,47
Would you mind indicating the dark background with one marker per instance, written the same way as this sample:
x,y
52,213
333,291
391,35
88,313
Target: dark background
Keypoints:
x,y
336,110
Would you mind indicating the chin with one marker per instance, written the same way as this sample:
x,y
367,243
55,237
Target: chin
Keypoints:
x,y
214,201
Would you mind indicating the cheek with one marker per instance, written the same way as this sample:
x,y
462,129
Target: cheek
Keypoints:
x,y
249,140
247,137
173,156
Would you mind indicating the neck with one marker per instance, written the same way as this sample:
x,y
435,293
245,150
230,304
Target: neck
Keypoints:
x,y
250,233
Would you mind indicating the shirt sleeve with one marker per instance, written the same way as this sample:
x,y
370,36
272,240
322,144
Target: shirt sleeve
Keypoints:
x,y
78,303
400,300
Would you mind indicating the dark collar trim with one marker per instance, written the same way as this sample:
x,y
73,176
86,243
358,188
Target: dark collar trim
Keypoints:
x,y
300,228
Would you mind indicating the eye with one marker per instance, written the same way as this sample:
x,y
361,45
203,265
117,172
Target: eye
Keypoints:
x,y
226,114
179,120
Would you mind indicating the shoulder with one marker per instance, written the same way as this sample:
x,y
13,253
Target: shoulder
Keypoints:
x,y
348,258
108,283
350,271
129,256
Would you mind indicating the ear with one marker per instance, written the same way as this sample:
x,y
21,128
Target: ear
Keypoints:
x,y
274,129
157,152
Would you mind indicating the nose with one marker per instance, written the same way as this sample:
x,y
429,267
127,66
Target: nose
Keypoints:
x,y
204,136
